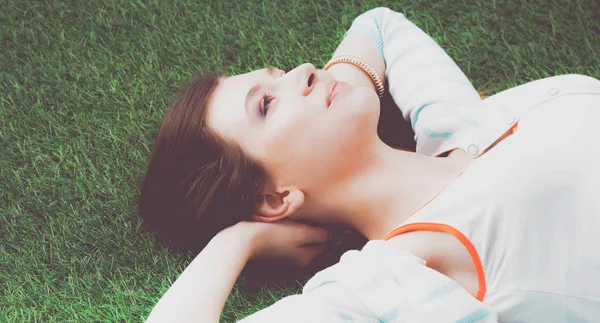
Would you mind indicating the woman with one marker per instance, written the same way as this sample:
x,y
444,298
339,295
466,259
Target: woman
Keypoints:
x,y
503,228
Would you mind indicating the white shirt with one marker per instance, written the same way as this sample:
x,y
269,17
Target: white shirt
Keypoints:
x,y
530,207
549,201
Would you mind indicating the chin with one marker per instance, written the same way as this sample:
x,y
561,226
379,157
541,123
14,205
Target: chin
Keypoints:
x,y
365,105
357,130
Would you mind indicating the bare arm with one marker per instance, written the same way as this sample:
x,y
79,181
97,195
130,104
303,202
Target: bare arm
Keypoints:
x,y
200,292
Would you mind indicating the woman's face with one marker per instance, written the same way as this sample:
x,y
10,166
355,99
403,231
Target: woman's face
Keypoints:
x,y
289,122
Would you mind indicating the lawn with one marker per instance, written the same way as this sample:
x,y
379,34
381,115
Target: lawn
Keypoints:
x,y
83,87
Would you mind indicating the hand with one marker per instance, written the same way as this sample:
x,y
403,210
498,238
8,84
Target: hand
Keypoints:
x,y
284,241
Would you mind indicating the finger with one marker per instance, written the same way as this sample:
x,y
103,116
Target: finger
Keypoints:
x,y
315,235
315,248
309,253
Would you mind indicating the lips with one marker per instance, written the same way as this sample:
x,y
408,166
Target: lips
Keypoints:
x,y
333,88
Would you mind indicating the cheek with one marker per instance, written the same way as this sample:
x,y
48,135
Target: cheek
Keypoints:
x,y
285,136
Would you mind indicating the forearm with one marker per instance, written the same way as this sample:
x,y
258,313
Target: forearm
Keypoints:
x,y
432,92
200,292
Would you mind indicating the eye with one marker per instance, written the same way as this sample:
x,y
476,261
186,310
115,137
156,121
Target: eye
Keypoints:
x,y
265,102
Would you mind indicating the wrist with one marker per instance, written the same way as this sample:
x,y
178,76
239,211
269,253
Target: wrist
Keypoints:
x,y
352,74
237,239
360,64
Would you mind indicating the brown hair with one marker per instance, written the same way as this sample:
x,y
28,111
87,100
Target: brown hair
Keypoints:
x,y
197,182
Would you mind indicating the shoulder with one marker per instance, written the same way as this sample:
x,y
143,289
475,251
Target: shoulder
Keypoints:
x,y
383,279
522,97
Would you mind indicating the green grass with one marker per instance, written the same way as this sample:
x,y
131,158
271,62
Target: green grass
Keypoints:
x,y
84,84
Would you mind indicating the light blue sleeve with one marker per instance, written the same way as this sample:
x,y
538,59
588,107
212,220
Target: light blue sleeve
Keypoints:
x,y
378,284
432,92
328,303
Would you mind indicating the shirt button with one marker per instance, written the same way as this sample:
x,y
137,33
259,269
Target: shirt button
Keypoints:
x,y
473,150
510,119
553,91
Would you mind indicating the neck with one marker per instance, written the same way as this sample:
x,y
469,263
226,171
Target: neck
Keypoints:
x,y
389,187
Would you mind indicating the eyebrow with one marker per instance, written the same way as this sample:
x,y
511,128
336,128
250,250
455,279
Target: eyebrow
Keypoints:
x,y
256,88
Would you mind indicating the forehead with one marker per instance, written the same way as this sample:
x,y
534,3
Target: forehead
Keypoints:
x,y
226,109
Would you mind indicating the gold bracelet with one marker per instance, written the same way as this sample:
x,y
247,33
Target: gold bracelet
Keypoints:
x,y
361,64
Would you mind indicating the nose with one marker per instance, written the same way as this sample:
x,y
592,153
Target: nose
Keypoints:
x,y
305,76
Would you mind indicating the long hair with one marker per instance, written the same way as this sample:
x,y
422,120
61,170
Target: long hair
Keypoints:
x,y
197,182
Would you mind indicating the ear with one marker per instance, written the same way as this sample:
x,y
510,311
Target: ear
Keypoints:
x,y
276,206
